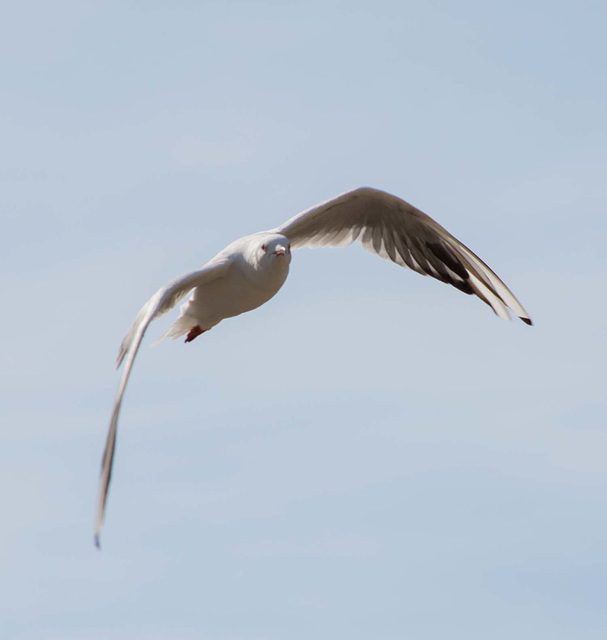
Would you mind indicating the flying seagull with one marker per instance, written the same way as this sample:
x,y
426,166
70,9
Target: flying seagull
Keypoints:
x,y
251,270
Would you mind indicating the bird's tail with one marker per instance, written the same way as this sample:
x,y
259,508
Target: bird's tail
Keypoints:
x,y
181,326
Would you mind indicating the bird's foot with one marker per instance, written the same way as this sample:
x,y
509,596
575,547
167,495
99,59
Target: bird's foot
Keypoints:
x,y
194,333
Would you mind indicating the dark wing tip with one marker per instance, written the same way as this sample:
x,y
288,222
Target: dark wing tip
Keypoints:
x,y
526,321
98,541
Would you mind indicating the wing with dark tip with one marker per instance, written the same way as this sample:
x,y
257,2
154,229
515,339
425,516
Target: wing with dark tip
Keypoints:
x,y
397,231
161,302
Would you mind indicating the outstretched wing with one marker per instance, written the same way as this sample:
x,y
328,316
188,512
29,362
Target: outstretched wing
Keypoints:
x,y
397,231
161,302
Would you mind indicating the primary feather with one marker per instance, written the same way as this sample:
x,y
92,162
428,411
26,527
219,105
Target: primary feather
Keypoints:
x,y
396,230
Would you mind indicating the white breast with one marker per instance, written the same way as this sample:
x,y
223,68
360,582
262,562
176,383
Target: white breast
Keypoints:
x,y
243,289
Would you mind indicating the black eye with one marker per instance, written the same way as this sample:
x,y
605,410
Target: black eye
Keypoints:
x,y
264,247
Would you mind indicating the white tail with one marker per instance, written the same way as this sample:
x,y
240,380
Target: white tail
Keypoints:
x,y
181,326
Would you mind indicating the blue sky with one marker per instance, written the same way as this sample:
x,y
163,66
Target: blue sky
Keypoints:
x,y
371,454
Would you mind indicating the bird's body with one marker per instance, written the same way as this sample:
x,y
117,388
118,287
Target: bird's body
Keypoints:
x,y
248,283
251,270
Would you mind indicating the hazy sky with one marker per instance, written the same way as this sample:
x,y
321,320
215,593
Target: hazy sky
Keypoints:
x,y
370,455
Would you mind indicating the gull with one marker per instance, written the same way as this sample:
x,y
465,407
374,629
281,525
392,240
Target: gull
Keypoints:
x,y
251,270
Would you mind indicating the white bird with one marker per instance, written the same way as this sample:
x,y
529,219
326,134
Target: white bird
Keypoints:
x,y
251,270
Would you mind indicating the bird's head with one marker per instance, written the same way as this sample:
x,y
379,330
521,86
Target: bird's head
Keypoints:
x,y
273,248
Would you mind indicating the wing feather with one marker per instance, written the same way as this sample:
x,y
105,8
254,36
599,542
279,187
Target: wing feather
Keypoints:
x,y
397,231
161,302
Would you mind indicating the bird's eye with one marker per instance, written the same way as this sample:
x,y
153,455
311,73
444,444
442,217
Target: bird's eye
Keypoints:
x,y
264,247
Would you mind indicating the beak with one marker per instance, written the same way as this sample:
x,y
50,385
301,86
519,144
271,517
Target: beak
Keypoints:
x,y
280,251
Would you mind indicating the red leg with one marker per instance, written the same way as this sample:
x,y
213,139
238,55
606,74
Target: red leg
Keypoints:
x,y
194,333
